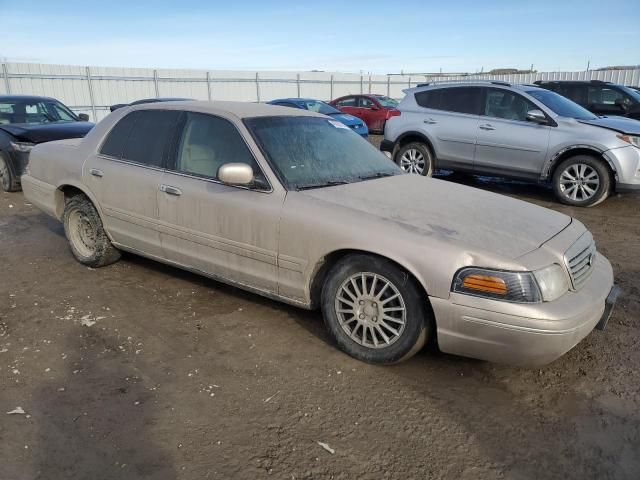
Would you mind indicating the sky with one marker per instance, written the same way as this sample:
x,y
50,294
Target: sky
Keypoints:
x,y
343,36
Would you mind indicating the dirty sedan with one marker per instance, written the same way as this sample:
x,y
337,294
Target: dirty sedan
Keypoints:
x,y
293,205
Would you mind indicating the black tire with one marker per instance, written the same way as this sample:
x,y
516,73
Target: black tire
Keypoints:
x,y
595,170
88,241
8,180
418,321
411,162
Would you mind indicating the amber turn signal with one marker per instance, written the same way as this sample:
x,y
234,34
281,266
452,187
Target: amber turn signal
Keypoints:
x,y
484,283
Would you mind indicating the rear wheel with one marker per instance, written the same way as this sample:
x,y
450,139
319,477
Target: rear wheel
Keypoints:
x,y
415,157
582,181
88,241
7,180
374,310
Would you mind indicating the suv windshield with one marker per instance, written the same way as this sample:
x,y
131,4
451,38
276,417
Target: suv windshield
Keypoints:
x,y
34,111
387,102
561,105
313,152
320,107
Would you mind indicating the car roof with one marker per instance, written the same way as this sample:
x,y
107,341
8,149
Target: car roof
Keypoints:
x,y
237,109
296,99
24,97
471,83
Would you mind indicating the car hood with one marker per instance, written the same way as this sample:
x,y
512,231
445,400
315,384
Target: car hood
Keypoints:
x,y
474,218
346,119
617,124
47,132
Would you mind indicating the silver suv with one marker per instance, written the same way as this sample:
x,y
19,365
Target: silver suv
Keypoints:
x,y
515,131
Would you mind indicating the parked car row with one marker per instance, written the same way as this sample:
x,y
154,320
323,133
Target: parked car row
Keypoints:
x,y
517,131
295,206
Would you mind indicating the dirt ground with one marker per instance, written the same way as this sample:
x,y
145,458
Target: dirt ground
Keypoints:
x,y
139,370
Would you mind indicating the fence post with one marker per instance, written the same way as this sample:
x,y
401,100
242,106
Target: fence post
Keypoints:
x,y
331,89
388,85
5,74
409,82
298,84
155,82
361,84
208,86
369,84
91,98
257,86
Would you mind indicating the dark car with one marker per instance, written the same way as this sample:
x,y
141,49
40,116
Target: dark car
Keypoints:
x,y
355,124
601,98
374,110
26,121
147,100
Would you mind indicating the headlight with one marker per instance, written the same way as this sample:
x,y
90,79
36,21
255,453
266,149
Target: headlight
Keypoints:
x,y
552,282
633,140
517,287
22,146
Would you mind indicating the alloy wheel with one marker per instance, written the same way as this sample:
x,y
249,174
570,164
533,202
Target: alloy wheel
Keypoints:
x,y
412,161
579,182
370,310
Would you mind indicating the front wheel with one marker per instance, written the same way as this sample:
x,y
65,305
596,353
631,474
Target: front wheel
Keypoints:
x,y
582,181
415,158
8,181
88,240
374,310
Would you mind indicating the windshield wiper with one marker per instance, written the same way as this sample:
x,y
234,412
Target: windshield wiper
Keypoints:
x,y
320,185
376,175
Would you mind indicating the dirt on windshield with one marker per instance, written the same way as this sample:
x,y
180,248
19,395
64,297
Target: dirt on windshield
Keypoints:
x,y
140,370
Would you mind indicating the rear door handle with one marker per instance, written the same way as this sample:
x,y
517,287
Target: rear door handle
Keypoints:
x,y
96,173
429,121
487,126
171,190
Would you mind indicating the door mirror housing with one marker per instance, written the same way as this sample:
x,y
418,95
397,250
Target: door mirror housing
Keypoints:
x,y
83,117
239,174
537,116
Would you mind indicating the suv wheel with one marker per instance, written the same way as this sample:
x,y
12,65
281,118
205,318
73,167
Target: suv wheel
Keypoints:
x,y
582,181
88,241
374,310
415,158
7,180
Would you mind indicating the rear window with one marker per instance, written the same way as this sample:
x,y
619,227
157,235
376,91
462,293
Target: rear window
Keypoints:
x,y
452,99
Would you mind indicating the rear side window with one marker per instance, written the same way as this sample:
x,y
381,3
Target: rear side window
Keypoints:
x,y
452,99
118,136
348,102
574,92
151,131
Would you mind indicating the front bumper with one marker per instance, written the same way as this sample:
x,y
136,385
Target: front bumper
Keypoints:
x,y
528,335
626,161
387,146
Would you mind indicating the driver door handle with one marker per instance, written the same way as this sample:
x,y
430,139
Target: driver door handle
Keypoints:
x,y
170,190
487,126
429,121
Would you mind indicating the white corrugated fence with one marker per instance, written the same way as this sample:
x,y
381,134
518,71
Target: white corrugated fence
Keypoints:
x,y
93,89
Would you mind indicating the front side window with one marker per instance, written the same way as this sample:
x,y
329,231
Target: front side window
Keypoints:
x,y
314,152
366,103
505,104
149,136
208,142
455,99
606,96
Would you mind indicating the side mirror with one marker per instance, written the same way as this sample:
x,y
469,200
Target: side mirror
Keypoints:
x,y
537,116
83,117
235,174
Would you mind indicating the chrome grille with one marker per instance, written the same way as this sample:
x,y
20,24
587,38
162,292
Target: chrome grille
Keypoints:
x,y
580,260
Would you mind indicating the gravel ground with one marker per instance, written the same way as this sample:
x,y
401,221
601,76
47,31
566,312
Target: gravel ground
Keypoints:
x,y
140,370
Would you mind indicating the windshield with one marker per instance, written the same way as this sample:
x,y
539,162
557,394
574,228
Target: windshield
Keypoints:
x,y
34,111
313,152
387,102
561,105
320,107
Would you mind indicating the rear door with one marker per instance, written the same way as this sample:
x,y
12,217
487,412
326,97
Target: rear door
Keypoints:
x,y
126,173
450,117
349,105
372,113
225,231
507,143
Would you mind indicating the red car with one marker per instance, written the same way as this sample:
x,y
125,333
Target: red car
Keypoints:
x,y
375,110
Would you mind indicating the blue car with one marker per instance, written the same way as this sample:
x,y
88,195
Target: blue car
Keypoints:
x,y
350,121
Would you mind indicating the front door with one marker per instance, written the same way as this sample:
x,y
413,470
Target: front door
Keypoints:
x,y
125,175
224,231
508,144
